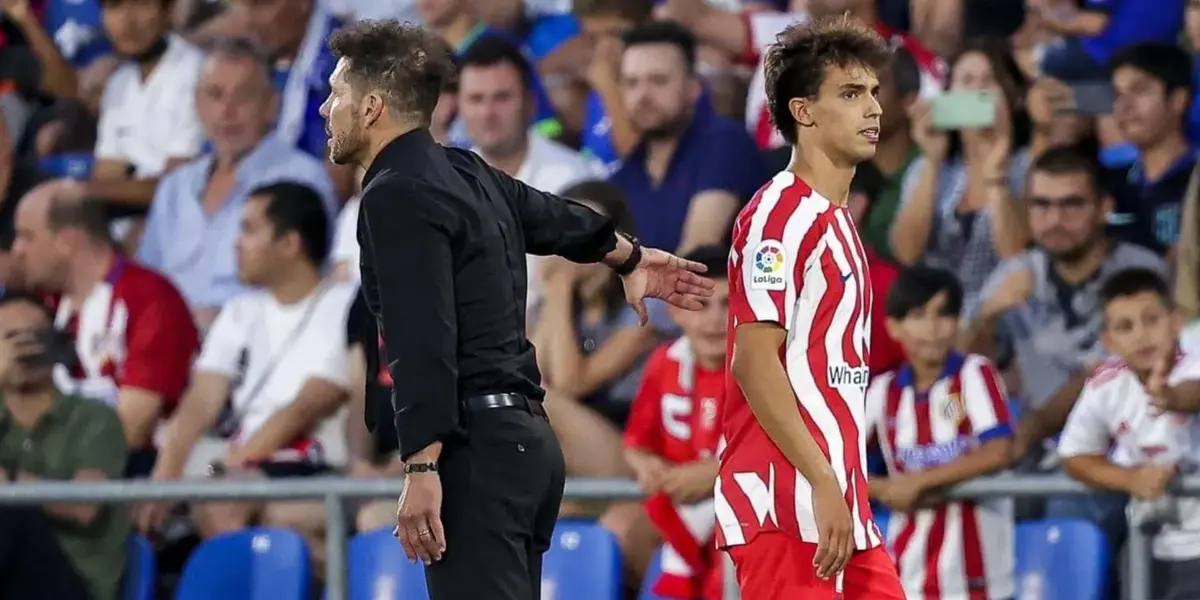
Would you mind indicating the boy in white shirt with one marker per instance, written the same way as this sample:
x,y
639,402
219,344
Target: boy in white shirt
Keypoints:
x,y
1137,405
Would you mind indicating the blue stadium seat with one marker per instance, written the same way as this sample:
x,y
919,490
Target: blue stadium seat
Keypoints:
x,y
1061,559
253,564
583,563
140,570
380,571
651,576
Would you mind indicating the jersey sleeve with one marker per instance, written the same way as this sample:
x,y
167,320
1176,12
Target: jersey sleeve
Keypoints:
x,y
162,342
1086,432
772,252
643,430
985,400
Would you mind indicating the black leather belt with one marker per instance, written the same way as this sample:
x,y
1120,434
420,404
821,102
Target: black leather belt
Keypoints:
x,y
507,400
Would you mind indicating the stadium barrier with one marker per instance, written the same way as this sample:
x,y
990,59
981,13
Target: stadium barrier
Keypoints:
x,y
335,491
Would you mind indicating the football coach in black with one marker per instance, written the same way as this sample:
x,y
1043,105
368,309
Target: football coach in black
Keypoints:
x,y
443,240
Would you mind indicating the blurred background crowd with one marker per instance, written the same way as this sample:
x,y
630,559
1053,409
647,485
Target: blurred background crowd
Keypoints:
x,y
166,206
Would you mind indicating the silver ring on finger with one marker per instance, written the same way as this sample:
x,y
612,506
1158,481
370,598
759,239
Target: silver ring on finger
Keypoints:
x,y
424,533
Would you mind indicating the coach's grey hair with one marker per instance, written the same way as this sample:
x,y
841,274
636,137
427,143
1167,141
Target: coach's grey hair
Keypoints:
x,y
243,49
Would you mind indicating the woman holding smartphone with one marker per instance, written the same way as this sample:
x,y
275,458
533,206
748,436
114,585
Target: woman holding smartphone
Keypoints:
x,y
959,205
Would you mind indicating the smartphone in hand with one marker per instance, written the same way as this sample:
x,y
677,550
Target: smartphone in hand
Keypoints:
x,y
963,110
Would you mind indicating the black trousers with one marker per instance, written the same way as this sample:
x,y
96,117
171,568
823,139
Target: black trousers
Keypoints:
x,y
32,565
501,494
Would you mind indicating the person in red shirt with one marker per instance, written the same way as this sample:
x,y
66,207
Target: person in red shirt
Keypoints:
x,y
134,337
671,439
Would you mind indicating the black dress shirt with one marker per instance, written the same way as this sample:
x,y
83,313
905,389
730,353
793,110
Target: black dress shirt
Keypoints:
x,y
444,239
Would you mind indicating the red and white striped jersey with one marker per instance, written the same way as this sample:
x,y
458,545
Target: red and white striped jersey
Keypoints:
x,y
762,27
959,550
797,261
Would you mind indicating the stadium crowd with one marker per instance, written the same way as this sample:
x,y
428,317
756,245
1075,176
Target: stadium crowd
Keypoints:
x,y
180,263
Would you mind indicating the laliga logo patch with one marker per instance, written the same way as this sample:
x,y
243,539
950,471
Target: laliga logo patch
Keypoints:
x,y
770,265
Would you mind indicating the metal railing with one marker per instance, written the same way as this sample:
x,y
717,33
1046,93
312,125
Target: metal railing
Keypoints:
x,y
335,491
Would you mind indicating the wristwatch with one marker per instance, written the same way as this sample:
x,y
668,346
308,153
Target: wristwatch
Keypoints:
x,y
422,467
635,256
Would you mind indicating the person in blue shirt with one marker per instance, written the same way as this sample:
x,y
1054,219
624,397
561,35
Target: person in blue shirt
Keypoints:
x,y
539,33
692,169
295,33
1093,34
75,27
607,133
1153,84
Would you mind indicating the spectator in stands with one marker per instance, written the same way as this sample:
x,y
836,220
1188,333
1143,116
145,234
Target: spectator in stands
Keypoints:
x,y
692,169
608,133
671,446
495,102
294,34
1154,89
77,30
1094,32
193,225
1039,308
941,419
64,551
958,208
1128,406
453,22
1187,254
279,356
1052,118
370,434
748,33
541,33
21,177
591,349
56,77
132,332
461,28
148,122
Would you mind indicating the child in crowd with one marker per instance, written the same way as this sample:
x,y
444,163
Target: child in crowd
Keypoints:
x,y
1132,429
671,439
941,418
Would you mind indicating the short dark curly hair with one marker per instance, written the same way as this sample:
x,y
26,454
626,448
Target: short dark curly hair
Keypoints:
x,y
405,63
795,64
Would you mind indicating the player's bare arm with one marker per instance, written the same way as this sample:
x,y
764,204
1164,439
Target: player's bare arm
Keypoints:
x,y
759,373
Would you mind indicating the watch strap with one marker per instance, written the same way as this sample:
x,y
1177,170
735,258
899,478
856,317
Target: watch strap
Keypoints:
x,y
635,256
421,467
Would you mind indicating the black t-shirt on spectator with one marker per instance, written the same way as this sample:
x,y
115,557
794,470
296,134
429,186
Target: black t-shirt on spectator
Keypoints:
x,y
1144,213
24,178
362,329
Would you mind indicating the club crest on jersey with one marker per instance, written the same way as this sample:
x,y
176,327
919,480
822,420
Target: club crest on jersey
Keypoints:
x,y
953,410
770,265
844,375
